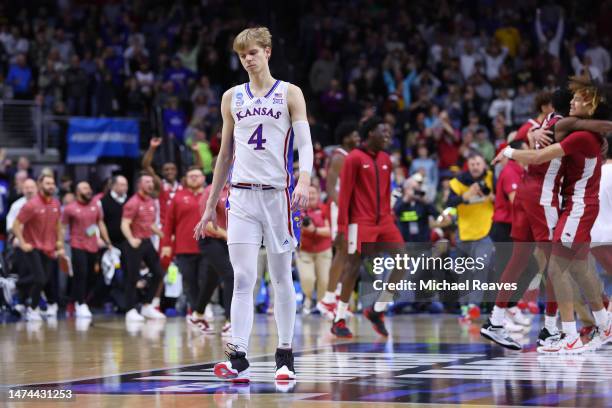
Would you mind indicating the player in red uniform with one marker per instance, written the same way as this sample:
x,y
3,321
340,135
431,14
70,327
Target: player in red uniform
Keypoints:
x,y
365,215
535,216
348,137
581,171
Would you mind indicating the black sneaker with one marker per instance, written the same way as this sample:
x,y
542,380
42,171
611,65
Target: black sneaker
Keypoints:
x,y
546,336
378,321
284,365
340,330
236,368
499,335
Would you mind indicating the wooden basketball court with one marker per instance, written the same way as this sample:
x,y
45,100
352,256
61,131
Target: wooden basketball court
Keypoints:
x,y
430,360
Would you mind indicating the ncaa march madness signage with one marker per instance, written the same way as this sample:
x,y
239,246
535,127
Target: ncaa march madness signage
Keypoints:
x,y
90,138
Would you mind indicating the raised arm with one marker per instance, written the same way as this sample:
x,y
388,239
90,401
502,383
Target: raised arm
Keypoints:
x,y
147,161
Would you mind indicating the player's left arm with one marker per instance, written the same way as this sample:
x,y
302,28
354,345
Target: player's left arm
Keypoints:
x,y
303,141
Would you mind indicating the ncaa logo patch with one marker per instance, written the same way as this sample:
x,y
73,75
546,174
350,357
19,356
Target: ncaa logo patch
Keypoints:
x,y
239,95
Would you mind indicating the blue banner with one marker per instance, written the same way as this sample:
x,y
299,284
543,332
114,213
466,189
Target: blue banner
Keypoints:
x,y
92,138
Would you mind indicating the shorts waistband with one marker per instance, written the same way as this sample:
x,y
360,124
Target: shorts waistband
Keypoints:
x,y
252,186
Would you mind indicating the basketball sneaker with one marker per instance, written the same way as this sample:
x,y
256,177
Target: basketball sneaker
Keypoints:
x,y
565,345
516,316
236,369
545,336
327,309
133,316
33,315
199,323
82,311
339,329
51,311
284,365
499,335
378,321
602,335
150,312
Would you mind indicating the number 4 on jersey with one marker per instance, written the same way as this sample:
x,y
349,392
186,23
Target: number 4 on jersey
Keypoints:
x,y
257,138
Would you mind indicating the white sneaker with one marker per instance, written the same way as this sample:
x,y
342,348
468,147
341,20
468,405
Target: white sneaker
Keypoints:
x,y
134,316
51,311
82,324
208,312
512,327
21,309
603,335
33,315
200,324
565,345
82,311
150,312
515,314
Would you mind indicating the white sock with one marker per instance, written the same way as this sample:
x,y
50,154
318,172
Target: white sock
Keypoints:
x,y
380,307
601,317
244,262
550,323
279,266
330,297
569,328
338,289
155,302
498,316
341,311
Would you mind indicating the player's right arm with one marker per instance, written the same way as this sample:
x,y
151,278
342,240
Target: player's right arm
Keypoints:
x,y
335,166
572,124
222,168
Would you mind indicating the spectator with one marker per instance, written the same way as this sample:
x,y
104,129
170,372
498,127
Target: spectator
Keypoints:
x,y
598,55
549,42
502,104
20,78
112,208
522,105
175,120
423,162
322,72
77,83
468,60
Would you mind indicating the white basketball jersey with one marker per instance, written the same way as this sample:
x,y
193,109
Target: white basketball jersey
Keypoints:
x,y
263,138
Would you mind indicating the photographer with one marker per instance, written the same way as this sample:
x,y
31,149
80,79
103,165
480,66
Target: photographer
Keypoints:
x,y
413,212
315,254
472,194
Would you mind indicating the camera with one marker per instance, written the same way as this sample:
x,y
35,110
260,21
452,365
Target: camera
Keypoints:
x,y
484,188
306,221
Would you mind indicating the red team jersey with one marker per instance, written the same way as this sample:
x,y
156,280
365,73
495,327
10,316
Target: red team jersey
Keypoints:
x,y
365,198
536,205
580,190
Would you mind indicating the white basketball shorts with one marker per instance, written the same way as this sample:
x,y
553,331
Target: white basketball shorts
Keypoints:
x,y
256,215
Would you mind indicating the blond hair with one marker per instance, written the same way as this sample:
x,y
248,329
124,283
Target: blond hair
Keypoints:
x,y
585,87
259,35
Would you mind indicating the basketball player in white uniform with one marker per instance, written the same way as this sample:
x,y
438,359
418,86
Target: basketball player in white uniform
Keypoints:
x,y
262,120
348,138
